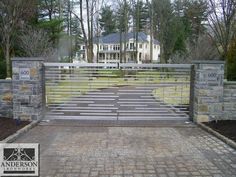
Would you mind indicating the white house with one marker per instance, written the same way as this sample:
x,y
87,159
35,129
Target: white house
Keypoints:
x,y
106,49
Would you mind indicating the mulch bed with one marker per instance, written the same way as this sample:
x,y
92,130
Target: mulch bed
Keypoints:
x,y
224,127
9,126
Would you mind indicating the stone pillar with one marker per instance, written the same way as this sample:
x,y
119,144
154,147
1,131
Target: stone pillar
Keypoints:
x,y
208,91
27,82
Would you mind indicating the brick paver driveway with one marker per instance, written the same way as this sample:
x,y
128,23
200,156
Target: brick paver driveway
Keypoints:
x,y
71,150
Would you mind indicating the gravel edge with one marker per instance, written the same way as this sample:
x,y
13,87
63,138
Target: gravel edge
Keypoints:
x,y
218,135
20,132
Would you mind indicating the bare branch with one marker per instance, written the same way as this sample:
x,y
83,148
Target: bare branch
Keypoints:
x,y
36,43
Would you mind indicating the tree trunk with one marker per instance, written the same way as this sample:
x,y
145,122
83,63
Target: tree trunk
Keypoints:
x,y
89,54
120,46
162,57
125,34
151,32
137,30
91,32
7,56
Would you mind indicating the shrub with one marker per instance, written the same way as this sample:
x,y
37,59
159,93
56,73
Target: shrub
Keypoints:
x,y
231,62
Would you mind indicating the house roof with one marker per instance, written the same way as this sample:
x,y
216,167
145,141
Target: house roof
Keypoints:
x,y
114,38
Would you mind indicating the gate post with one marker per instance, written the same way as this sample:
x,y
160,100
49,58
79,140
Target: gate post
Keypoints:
x,y
191,98
208,91
27,82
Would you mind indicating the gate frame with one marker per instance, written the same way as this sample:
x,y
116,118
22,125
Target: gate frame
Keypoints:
x,y
128,66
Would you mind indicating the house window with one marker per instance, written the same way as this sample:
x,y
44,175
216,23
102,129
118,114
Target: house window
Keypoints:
x,y
146,46
83,47
116,47
105,47
101,56
131,46
140,56
155,46
140,46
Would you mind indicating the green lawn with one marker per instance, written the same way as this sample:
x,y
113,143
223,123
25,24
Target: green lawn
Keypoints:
x,y
174,95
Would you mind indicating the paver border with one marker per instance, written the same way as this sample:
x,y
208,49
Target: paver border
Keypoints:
x,y
218,135
118,123
20,132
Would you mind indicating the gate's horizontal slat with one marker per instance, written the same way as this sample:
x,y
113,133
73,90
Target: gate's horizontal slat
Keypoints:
x,y
99,114
99,96
132,105
101,105
77,102
166,107
55,113
82,117
161,108
145,116
137,111
60,104
139,102
135,90
134,99
80,65
82,108
133,93
82,111
151,118
125,65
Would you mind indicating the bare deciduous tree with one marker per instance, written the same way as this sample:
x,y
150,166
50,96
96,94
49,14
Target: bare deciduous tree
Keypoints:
x,y
222,22
204,49
13,13
36,43
89,8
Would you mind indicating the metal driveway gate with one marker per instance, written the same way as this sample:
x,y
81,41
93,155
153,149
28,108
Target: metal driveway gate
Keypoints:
x,y
117,92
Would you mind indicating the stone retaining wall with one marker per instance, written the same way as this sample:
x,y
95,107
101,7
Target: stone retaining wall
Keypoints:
x,y
6,104
230,100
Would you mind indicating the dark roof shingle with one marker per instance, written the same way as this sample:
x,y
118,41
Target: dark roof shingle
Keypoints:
x,y
114,38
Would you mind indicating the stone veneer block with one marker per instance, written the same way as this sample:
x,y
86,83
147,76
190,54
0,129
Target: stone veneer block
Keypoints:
x,y
6,104
230,100
27,82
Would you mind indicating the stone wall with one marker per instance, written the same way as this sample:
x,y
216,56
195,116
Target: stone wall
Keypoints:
x,y
230,100
6,106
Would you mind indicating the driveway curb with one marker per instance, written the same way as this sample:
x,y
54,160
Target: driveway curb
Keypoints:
x,y
20,132
218,135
